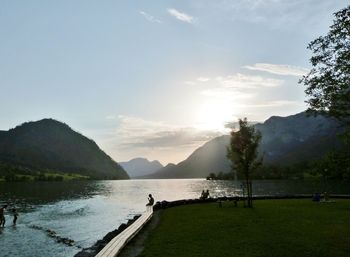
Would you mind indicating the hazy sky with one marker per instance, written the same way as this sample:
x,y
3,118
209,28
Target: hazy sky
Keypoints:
x,y
155,79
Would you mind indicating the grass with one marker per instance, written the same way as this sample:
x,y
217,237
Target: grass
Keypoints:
x,y
272,228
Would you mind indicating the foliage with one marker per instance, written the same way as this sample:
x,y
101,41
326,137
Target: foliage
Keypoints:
x,y
243,153
15,173
221,176
328,82
286,228
334,165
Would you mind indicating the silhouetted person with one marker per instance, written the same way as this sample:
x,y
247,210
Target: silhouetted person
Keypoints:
x,y
202,195
207,194
150,200
317,197
326,196
15,216
2,216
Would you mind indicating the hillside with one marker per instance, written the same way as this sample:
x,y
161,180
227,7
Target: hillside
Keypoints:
x,y
207,158
140,167
285,141
49,145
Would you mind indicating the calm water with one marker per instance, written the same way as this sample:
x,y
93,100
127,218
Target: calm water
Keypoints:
x,y
86,210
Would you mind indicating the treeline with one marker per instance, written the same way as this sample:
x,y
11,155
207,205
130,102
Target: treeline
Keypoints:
x,y
332,166
13,173
40,177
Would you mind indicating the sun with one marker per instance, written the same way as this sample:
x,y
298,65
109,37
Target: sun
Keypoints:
x,y
214,114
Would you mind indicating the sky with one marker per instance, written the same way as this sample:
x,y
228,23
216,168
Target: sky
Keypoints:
x,y
155,79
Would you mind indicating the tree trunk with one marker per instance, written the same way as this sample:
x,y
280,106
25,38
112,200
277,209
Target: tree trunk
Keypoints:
x,y
249,191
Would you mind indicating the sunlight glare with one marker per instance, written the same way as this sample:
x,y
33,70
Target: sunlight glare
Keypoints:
x,y
213,115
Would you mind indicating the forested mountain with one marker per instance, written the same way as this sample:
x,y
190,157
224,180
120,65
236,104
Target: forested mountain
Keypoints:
x,y
285,141
141,166
52,146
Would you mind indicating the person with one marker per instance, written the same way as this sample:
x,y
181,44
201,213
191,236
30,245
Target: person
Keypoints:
x,y
15,216
2,215
316,197
150,200
207,194
326,196
202,195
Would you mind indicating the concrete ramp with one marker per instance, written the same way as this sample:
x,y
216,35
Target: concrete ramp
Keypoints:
x,y
116,244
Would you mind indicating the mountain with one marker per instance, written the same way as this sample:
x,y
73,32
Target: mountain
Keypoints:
x,y
140,167
296,138
208,158
285,141
49,145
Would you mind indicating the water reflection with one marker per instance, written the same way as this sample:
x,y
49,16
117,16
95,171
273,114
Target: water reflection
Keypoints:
x,y
39,193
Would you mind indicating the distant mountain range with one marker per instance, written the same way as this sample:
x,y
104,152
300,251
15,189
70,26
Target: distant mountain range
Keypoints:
x,y
141,167
49,145
285,141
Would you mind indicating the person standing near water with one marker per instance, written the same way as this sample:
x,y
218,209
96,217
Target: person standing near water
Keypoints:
x,y
2,216
15,216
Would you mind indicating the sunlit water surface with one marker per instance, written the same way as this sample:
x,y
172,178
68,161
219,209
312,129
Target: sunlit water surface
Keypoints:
x,y
86,210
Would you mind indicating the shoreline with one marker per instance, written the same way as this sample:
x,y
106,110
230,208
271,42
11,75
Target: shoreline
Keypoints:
x,y
127,251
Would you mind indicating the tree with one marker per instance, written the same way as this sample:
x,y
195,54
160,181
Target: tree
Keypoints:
x,y
243,153
328,82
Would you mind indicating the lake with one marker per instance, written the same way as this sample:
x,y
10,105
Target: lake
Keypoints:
x,y
85,211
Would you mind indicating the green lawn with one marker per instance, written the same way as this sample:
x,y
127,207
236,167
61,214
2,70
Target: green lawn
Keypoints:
x,y
297,228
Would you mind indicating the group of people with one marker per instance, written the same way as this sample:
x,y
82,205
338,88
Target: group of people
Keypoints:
x,y
204,195
2,215
317,197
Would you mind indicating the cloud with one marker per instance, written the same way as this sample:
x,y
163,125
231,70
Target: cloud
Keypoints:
x,y
247,81
275,103
279,69
273,13
234,87
180,15
110,117
149,17
191,83
226,94
203,79
238,81
137,132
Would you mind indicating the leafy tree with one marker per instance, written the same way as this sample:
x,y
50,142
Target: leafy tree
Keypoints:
x,y
243,153
328,82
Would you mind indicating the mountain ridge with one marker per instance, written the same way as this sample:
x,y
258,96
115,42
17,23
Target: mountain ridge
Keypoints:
x,y
285,141
139,166
48,144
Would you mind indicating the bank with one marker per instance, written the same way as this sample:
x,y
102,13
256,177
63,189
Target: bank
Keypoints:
x,y
274,227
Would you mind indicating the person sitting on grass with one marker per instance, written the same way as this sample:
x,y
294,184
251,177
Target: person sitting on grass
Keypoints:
x,y
202,195
205,195
316,197
326,196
